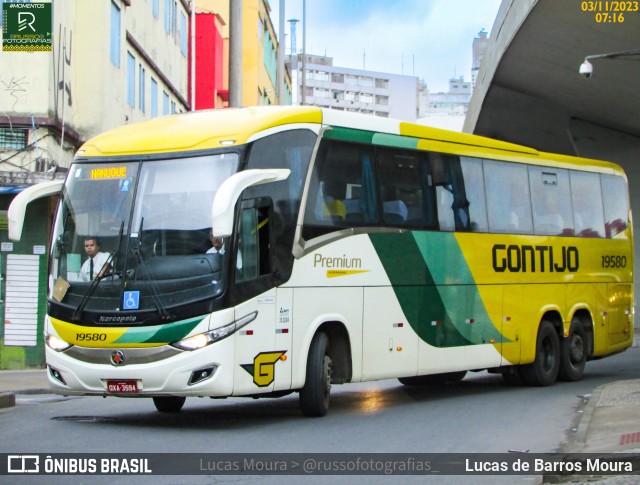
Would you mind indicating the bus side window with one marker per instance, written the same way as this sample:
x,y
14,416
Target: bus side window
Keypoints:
x,y
451,198
586,196
253,256
474,189
400,174
551,201
508,201
342,191
616,204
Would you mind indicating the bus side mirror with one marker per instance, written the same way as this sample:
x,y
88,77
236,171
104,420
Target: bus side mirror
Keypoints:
x,y
18,206
229,192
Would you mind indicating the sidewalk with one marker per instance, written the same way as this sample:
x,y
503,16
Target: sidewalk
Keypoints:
x,y
14,382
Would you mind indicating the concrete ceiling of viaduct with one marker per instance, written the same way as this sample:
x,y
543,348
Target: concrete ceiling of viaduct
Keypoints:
x,y
529,90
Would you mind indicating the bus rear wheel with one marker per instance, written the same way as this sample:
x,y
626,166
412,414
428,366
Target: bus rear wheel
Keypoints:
x,y
314,396
573,353
544,369
169,404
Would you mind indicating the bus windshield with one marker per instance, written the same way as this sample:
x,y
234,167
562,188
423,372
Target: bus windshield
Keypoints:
x,y
135,235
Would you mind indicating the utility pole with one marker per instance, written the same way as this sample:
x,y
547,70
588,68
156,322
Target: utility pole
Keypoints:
x,y
235,53
281,55
304,53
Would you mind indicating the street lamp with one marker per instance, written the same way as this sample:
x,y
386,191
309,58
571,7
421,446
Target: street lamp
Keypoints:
x,y
586,68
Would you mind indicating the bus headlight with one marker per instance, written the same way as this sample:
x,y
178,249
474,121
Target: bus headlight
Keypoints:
x,y
207,338
56,343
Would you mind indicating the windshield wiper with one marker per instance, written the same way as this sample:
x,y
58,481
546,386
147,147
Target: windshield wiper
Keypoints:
x,y
95,282
155,294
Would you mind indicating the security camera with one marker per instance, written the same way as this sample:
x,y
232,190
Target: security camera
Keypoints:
x,y
586,69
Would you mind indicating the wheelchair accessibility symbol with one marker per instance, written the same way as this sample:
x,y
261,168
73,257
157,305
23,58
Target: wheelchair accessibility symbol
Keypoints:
x,y
131,300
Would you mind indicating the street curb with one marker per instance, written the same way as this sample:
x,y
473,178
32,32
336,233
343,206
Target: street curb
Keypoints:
x,y
580,437
7,400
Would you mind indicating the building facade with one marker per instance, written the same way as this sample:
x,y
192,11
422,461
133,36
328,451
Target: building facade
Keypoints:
x,y
212,61
478,48
454,102
112,62
259,51
357,90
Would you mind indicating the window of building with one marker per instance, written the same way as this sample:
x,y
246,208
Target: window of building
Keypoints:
x,y
352,80
167,16
13,138
366,98
114,38
337,78
131,80
338,95
183,34
382,100
141,87
366,81
165,103
155,7
382,83
351,96
322,76
174,19
154,98
321,93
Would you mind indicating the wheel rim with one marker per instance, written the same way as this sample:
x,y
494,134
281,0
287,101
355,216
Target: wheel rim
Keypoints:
x,y
326,376
576,349
548,355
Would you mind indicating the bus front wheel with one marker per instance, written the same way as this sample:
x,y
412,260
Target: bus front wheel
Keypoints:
x,y
573,353
169,404
544,369
314,396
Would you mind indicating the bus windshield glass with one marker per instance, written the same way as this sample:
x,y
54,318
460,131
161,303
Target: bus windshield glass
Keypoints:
x,y
135,235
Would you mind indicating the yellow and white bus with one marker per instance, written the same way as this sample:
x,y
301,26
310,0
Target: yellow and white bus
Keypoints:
x,y
355,248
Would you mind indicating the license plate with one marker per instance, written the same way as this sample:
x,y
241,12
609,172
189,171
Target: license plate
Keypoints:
x,y
122,387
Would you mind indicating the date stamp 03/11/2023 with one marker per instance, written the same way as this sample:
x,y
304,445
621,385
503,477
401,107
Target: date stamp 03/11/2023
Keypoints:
x,y
610,11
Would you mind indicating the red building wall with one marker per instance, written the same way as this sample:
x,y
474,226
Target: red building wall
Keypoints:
x,y
210,91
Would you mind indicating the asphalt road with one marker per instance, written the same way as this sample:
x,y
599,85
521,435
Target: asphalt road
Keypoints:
x,y
479,414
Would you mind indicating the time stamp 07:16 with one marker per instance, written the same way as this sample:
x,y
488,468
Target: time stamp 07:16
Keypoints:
x,y
610,11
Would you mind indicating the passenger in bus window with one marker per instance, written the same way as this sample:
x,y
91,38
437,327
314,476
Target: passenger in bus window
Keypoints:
x,y
97,263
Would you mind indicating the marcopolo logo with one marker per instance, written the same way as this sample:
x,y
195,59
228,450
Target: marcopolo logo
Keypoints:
x,y
26,27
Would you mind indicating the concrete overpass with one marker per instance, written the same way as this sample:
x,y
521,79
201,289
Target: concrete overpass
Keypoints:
x,y
529,90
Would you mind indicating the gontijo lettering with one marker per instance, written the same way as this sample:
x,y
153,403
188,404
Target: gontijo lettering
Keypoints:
x,y
515,259
109,173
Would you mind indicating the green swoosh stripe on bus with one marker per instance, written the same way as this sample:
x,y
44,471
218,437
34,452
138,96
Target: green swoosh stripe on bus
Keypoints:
x,y
418,265
171,332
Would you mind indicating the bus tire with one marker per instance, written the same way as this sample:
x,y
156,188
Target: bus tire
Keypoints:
x,y
573,353
544,369
314,396
433,379
169,404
